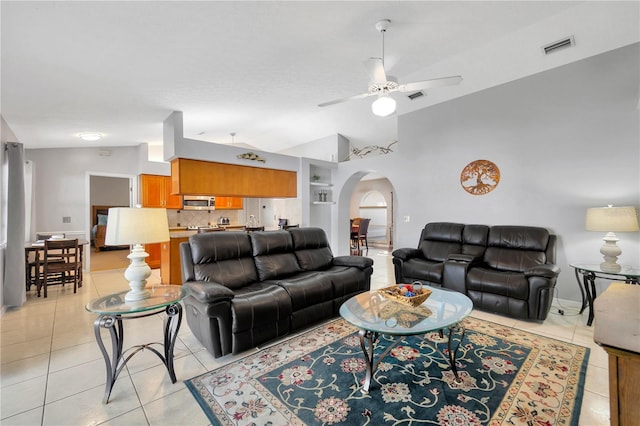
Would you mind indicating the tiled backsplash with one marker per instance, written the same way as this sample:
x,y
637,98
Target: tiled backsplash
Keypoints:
x,y
203,217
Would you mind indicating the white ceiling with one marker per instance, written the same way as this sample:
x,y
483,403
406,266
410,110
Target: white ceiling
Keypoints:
x,y
259,69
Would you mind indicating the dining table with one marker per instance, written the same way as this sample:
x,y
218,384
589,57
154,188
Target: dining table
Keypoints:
x,y
36,247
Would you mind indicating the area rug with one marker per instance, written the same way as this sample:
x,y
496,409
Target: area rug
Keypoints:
x,y
508,377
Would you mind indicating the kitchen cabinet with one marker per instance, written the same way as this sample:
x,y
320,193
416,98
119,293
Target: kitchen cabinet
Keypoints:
x,y
229,203
170,268
155,191
154,255
199,177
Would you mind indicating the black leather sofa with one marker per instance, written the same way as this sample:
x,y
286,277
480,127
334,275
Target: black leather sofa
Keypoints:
x,y
248,289
508,270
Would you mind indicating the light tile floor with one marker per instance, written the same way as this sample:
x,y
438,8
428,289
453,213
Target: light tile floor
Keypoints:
x,y
52,372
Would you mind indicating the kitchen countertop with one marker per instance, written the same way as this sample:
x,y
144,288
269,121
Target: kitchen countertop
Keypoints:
x,y
183,232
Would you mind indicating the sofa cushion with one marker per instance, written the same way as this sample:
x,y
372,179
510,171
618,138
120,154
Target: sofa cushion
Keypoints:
x,y
510,284
425,270
440,239
347,281
306,289
474,240
223,257
273,254
312,248
259,304
516,248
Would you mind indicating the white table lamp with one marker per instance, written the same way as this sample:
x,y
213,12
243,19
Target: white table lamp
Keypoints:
x,y
136,226
611,219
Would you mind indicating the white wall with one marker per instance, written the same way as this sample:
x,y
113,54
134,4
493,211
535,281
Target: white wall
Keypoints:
x,y
60,182
564,140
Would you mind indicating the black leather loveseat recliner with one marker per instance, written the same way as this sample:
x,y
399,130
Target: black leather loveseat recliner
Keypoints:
x,y
248,289
503,269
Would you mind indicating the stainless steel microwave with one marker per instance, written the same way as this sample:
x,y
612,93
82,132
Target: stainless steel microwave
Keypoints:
x,y
198,202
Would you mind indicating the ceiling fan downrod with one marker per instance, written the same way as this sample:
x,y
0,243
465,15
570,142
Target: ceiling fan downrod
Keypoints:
x,y
382,26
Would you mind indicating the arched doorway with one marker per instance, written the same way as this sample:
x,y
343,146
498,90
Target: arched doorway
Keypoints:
x,y
372,197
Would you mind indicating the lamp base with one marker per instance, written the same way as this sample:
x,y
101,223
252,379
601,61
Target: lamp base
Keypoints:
x,y
610,252
610,267
137,274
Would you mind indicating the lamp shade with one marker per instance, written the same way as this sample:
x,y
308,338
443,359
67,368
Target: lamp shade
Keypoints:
x,y
126,225
383,106
612,219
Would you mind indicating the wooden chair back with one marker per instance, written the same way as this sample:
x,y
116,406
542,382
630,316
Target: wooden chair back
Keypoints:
x,y
62,263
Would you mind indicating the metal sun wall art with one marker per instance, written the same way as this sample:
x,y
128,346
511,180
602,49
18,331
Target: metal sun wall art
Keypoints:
x,y
480,177
251,156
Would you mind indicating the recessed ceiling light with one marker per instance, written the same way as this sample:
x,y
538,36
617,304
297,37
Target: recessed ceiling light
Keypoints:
x,y
92,136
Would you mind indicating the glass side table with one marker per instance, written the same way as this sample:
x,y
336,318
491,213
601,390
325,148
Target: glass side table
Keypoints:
x,y
590,271
112,310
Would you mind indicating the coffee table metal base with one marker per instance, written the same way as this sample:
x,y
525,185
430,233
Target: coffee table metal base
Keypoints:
x,y
369,338
117,361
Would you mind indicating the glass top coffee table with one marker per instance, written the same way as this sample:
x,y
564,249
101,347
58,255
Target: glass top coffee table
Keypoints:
x,y
374,314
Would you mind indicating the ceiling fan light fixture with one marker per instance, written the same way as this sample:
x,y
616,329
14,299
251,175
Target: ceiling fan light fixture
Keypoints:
x,y
383,106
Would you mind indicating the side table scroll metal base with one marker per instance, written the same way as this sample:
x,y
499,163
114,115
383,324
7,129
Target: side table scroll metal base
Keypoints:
x,y
119,358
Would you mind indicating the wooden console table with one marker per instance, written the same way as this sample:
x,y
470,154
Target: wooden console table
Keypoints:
x,y
617,330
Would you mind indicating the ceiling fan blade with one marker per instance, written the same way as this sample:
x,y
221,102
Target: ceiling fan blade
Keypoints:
x,y
350,98
375,68
430,84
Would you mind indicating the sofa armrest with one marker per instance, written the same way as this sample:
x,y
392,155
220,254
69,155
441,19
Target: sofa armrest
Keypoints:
x,y
546,271
406,253
208,292
359,262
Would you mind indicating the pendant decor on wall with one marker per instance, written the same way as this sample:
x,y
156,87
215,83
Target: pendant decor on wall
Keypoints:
x,y
251,156
370,150
480,177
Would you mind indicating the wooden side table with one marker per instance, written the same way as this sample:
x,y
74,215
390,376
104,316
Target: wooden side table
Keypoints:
x,y
617,330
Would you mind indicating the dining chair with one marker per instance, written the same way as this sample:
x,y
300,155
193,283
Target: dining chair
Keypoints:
x,y
61,264
253,228
360,234
354,224
33,266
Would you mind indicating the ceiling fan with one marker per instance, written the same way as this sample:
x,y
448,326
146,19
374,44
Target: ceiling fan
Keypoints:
x,y
382,84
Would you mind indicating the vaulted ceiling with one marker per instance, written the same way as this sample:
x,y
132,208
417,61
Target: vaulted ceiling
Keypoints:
x,y
260,69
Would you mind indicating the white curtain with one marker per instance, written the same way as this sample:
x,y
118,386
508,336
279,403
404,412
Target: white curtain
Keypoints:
x,y
14,290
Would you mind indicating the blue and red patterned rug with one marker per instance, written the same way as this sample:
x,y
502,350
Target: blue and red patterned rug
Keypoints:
x,y
508,377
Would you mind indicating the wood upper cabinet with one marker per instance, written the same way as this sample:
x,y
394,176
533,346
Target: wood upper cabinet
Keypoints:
x,y
155,191
229,203
199,177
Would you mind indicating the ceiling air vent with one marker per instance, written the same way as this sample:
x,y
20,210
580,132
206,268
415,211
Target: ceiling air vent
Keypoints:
x,y
560,44
415,95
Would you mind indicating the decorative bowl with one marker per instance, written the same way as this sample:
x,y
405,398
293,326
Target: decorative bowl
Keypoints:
x,y
417,296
